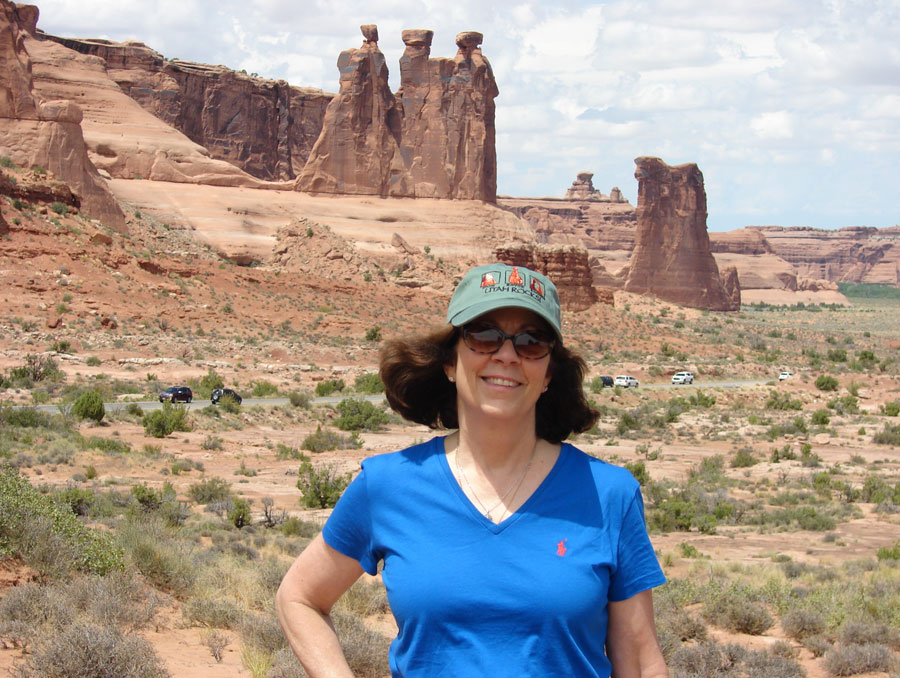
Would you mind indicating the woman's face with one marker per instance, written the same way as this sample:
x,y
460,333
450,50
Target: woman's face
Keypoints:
x,y
501,385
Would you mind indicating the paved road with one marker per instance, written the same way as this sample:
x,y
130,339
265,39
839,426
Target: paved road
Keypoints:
x,y
148,405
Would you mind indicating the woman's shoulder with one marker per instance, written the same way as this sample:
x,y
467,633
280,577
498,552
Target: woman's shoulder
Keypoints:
x,y
605,474
405,460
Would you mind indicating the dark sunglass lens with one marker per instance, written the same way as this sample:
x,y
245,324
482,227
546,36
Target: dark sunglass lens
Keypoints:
x,y
484,339
531,346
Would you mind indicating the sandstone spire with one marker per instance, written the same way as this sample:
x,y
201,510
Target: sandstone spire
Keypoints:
x,y
672,258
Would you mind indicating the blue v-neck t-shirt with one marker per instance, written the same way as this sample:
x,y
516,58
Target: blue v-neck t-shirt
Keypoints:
x,y
525,597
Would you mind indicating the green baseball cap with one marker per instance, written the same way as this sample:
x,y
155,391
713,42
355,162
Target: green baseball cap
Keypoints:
x,y
493,286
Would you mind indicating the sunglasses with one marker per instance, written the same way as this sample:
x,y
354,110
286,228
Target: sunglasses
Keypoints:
x,y
529,344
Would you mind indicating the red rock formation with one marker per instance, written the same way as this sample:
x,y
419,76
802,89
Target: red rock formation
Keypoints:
x,y
434,139
741,241
732,285
566,266
265,127
583,189
672,258
357,151
856,254
41,133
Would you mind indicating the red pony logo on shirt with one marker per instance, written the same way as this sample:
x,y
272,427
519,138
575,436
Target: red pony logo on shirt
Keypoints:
x,y
561,548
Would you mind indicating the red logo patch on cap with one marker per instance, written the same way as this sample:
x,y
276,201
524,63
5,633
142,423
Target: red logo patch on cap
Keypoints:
x,y
515,278
537,287
488,279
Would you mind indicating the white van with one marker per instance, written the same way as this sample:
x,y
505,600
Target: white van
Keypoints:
x,y
626,381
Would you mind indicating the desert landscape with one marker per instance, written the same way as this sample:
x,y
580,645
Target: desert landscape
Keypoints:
x,y
144,244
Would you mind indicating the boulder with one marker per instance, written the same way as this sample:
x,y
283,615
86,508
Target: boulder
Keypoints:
x,y
567,266
672,258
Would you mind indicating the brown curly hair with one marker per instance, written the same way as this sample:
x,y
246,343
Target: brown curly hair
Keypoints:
x,y
417,387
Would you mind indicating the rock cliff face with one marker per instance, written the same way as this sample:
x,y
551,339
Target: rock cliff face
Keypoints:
x,y
434,139
265,127
672,258
45,133
857,254
566,266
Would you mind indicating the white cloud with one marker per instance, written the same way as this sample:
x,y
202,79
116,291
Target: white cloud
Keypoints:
x,y
773,125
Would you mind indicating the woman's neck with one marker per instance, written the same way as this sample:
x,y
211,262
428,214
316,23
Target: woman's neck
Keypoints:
x,y
494,446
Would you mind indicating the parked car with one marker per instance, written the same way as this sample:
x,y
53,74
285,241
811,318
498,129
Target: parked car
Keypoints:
x,y
175,394
607,382
785,374
219,393
625,380
682,378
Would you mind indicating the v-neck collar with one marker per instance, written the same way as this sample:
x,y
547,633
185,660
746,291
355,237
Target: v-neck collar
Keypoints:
x,y
472,510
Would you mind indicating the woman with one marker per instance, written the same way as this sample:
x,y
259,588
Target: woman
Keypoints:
x,y
506,552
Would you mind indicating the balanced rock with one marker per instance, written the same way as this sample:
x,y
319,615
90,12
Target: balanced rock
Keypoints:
x,y
672,258
583,188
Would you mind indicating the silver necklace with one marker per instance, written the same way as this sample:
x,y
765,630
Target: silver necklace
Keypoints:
x,y
515,486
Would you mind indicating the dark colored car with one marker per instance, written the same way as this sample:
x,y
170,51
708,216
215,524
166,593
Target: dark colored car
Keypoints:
x,y
607,382
219,393
176,394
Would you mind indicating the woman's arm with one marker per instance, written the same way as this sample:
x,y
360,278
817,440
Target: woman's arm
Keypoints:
x,y
631,642
318,577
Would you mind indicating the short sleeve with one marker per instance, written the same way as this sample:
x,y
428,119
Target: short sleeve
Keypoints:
x,y
349,528
637,566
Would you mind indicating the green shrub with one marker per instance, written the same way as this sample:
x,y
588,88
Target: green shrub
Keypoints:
x,y
744,458
295,527
325,440
209,489
889,552
150,549
820,418
264,389
373,333
639,470
369,383
890,435
93,361
733,612
847,404
356,415
825,382
6,161
32,525
61,208
299,399
891,409
322,486
165,421
779,400
229,404
239,514
23,417
329,386
89,405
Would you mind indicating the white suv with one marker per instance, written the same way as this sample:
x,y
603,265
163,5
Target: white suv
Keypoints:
x,y
682,378
785,375
626,381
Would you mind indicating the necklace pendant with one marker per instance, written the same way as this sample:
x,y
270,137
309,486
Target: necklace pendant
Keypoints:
x,y
487,514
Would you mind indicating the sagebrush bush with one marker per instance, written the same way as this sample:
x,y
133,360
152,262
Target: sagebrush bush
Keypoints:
x,y
890,435
800,624
779,400
262,631
91,651
324,440
214,611
850,660
167,563
368,383
209,489
89,405
366,650
869,633
299,399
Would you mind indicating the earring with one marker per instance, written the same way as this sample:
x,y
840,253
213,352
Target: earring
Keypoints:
x,y
545,389
452,380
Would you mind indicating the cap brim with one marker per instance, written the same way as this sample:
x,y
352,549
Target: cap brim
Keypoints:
x,y
471,312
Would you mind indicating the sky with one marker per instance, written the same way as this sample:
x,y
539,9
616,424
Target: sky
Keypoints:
x,y
791,108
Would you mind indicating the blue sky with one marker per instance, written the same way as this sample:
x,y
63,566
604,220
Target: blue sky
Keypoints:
x,y
791,108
